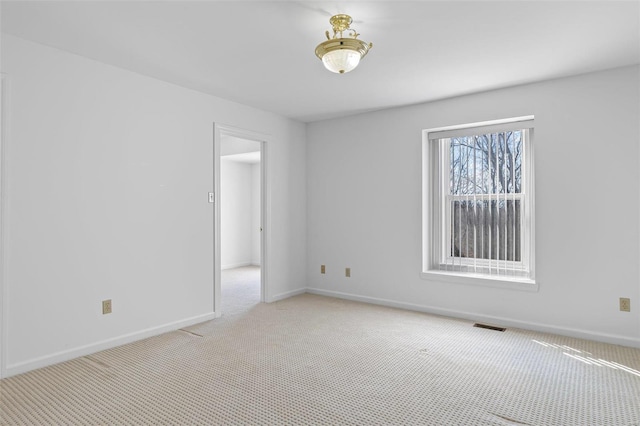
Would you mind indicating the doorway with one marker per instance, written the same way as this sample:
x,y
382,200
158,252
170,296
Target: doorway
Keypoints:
x,y
240,258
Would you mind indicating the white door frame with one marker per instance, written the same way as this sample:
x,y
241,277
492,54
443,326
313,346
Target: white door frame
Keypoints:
x,y
265,209
3,222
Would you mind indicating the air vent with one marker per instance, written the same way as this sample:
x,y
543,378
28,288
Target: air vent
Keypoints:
x,y
489,327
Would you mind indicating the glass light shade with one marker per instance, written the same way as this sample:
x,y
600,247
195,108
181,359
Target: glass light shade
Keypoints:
x,y
341,60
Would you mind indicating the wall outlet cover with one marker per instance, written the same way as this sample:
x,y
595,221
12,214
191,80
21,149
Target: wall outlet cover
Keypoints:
x,y
106,306
625,304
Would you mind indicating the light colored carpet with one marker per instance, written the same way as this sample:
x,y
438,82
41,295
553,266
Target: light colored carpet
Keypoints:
x,y
313,360
240,289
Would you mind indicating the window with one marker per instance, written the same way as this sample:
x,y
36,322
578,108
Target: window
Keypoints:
x,y
478,201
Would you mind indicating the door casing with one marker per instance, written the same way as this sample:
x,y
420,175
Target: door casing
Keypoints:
x,y
221,130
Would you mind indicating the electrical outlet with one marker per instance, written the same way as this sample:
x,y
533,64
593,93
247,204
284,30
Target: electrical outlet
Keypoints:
x,y
106,306
347,272
323,269
625,304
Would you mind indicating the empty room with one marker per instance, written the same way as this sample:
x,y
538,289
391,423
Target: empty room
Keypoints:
x,y
320,213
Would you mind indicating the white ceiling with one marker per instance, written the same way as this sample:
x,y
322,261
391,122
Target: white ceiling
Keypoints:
x,y
247,157
238,149
262,53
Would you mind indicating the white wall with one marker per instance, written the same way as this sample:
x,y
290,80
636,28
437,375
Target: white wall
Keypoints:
x,y
107,180
366,212
238,232
255,213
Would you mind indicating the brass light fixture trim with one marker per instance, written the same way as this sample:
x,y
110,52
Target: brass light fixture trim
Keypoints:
x,y
348,43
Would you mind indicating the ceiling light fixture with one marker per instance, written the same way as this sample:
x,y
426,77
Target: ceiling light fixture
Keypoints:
x,y
342,54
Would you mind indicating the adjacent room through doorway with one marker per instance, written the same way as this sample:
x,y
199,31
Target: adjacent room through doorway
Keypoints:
x,y
240,224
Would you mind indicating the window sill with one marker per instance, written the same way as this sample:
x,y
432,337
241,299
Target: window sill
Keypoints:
x,y
511,283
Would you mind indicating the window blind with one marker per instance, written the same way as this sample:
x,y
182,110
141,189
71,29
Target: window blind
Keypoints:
x,y
483,199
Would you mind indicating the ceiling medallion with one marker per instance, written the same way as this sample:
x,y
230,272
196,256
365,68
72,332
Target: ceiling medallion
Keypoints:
x,y
341,54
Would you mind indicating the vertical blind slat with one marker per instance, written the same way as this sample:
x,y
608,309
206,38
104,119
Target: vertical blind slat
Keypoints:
x,y
466,200
475,204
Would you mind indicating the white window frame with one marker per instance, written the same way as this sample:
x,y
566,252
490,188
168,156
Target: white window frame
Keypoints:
x,y
436,213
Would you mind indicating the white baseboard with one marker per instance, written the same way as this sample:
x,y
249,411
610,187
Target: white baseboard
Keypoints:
x,y
32,364
235,265
500,321
286,295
